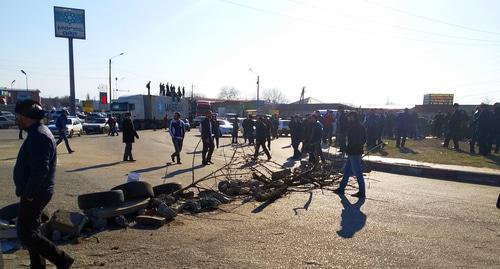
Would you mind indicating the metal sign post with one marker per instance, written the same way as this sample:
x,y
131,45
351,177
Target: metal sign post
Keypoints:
x,y
70,23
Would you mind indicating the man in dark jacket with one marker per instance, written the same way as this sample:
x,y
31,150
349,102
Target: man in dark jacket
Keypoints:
x,y
485,130
496,126
453,131
34,174
296,135
315,140
261,131
248,125
306,133
177,131
356,138
128,133
215,130
236,128
402,128
473,130
371,130
341,131
269,131
61,122
207,139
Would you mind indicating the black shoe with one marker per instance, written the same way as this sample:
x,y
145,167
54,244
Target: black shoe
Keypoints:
x,y
71,151
359,194
204,163
67,264
338,191
179,162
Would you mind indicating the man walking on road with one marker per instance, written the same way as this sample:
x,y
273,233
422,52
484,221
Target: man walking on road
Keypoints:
x,y
34,174
61,126
260,138
128,134
356,138
177,131
207,139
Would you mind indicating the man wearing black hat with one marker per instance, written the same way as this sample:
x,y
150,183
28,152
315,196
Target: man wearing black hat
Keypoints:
x,y
61,122
34,179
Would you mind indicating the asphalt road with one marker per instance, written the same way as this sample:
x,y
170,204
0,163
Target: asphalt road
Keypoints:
x,y
404,222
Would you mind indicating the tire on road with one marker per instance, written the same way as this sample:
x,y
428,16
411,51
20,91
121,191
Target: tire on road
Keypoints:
x,y
167,188
135,190
11,211
100,199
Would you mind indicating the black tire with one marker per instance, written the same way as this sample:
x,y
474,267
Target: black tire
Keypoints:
x,y
100,199
11,211
167,188
135,190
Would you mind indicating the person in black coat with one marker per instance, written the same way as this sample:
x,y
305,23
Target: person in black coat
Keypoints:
x,y
207,139
453,130
261,132
296,135
496,126
341,132
215,130
315,140
236,128
34,179
129,134
356,139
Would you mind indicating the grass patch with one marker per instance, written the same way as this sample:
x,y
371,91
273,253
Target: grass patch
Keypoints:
x,y
430,150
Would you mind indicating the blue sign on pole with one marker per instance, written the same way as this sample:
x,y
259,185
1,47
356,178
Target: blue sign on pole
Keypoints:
x,y
69,22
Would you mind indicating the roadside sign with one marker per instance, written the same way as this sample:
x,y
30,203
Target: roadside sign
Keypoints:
x,y
69,22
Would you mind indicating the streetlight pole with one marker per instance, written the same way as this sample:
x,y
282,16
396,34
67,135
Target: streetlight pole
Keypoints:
x,y
11,84
258,86
110,88
22,71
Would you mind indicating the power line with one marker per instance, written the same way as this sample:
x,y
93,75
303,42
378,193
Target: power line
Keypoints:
x,y
430,19
391,25
354,29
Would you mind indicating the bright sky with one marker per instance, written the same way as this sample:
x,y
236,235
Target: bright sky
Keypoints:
x,y
362,52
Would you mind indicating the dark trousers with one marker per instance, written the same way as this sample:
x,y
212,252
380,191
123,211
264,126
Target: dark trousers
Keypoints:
x,y
314,152
234,137
128,152
400,138
295,146
268,142
208,149
497,142
473,142
178,147
28,232
261,143
20,133
216,138
484,144
453,136
62,136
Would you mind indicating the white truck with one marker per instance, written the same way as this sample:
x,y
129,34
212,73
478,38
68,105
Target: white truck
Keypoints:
x,y
148,111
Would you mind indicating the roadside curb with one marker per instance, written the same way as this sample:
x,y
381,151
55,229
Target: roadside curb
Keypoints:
x,y
436,173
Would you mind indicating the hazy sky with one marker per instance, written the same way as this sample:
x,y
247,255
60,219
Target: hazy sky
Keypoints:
x,y
362,52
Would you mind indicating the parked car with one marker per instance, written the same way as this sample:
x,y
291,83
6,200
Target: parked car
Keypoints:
x,y
186,124
225,127
96,125
283,128
73,125
6,123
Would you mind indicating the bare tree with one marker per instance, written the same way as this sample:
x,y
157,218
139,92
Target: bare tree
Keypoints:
x,y
229,93
274,96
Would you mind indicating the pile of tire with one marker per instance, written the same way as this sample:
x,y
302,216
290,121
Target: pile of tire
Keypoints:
x,y
116,196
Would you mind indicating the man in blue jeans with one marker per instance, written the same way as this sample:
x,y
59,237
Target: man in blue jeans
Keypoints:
x,y
356,138
177,131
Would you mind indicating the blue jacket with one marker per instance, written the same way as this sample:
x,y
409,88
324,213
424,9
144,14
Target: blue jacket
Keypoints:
x,y
36,163
206,128
177,129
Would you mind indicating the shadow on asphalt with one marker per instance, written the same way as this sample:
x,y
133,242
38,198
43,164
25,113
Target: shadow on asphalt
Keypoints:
x,y
94,167
181,171
149,169
353,220
306,205
8,159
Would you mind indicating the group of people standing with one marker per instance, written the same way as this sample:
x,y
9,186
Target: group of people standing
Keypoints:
x,y
169,90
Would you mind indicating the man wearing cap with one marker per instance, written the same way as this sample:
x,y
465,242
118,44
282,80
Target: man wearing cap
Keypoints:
x,y
34,174
61,126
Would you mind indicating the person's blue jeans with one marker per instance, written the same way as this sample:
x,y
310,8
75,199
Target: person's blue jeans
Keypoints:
x,y
352,166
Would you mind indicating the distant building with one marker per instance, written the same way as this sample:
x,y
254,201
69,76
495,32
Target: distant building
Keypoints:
x,y
438,99
11,96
